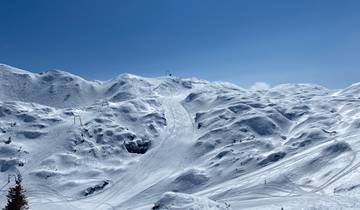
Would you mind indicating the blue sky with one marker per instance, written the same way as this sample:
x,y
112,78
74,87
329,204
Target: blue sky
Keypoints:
x,y
242,41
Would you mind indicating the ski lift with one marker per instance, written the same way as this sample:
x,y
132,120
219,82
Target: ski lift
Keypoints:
x,y
168,73
76,116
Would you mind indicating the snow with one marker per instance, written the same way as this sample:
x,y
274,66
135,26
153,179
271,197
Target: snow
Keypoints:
x,y
171,200
134,143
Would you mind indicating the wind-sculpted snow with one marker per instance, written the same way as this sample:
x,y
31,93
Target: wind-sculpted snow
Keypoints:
x,y
134,143
172,201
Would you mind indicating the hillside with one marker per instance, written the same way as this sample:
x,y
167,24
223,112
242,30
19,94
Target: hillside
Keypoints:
x,y
134,143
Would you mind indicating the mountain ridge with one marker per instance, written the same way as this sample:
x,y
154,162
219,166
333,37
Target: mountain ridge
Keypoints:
x,y
171,143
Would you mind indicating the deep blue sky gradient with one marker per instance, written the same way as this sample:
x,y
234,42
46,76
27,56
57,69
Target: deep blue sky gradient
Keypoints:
x,y
242,41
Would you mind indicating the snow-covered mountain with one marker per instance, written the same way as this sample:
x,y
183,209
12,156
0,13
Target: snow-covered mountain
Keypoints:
x,y
134,143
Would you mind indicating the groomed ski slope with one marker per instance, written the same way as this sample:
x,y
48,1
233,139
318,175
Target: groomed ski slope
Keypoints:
x,y
134,143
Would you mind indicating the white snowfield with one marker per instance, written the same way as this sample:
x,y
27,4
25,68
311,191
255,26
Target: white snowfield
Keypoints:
x,y
135,143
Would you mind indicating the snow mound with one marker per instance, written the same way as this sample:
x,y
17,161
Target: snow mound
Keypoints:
x,y
189,181
181,201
